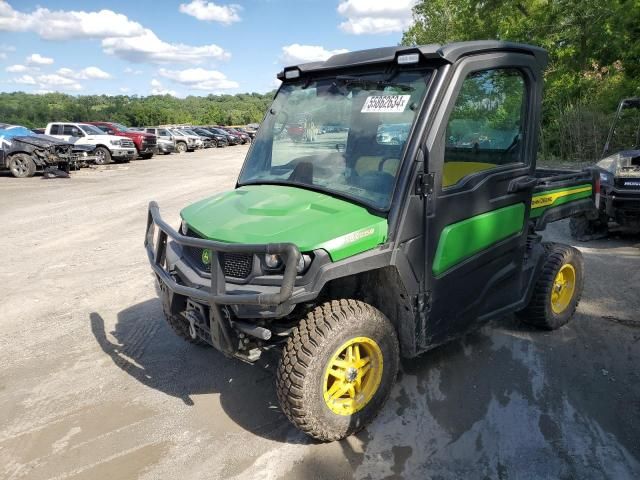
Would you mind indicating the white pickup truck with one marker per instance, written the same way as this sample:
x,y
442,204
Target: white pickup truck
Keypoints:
x,y
107,147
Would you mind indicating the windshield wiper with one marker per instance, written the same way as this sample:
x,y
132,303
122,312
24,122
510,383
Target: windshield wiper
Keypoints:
x,y
367,83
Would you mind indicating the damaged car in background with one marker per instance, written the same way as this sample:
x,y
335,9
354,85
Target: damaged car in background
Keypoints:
x,y
618,203
23,152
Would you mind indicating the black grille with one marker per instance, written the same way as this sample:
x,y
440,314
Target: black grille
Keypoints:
x,y
237,265
234,265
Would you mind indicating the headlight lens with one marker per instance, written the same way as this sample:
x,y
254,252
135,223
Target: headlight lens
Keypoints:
x,y
272,261
184,227
303,263
116,142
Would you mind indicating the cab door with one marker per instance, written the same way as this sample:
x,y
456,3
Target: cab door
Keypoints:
x,y
480,160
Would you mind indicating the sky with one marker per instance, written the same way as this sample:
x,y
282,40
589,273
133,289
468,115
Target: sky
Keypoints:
x,y
182,47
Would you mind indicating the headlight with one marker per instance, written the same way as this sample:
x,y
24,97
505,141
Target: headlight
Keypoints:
x,y
116,142
604,177
272,261
184,227
303,263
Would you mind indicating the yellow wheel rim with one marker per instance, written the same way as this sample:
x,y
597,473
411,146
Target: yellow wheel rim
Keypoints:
x,y
352,376
564,286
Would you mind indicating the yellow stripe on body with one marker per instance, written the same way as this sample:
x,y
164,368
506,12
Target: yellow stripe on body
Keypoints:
x,y
546,199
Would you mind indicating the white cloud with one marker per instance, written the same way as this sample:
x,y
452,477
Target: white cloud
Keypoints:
x,y
120,36
94,73
63,25
89,73
131,71
25,80
4,49
49,82
16,69
37,59
124,89
199,79
149,48
54,81
375,16
158,89
210,12
296,53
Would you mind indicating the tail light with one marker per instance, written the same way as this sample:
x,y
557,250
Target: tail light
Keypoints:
x,y
597,192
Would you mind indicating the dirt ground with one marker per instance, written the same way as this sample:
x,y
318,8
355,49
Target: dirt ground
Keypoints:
x,y
94,385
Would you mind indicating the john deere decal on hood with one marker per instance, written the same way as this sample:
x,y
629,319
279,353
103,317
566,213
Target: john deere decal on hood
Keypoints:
x,y
272,214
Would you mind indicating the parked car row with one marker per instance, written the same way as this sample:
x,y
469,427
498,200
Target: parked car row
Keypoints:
x,y
60,145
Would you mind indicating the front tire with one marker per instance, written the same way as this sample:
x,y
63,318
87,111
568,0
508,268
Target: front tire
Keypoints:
x,y
181,147
103,156
22,165
557,291
337,369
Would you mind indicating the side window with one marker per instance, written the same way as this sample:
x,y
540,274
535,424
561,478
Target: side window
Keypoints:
x,y
106,129
71,130
55,129
485,127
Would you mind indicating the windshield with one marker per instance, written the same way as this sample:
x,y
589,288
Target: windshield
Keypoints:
x,y
343,135
177,133
91,130
121,127
15,131
626,133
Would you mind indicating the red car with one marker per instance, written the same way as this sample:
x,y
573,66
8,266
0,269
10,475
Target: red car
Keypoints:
x,y
146,143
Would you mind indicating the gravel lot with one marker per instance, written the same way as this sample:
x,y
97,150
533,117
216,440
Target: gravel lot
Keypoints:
x,y
94,385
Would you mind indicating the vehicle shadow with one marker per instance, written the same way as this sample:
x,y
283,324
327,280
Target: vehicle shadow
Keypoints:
x,y
144,346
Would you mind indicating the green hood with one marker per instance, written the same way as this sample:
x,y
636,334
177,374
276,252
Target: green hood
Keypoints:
x,y
274,213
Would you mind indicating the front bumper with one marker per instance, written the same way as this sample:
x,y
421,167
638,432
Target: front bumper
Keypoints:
x,y
216,293
129,153
621,202
166,148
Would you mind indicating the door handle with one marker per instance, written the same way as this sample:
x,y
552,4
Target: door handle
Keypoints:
x,y
522,183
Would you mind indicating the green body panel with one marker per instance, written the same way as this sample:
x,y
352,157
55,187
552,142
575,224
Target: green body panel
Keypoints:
x,y
553,198
259,214
464,239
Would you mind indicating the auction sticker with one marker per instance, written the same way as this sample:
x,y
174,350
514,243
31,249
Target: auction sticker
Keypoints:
x,y
385,103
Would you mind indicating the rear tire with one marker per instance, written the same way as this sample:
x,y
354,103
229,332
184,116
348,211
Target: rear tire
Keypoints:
x,y
557,291
22,165
348,337
584,229
146,156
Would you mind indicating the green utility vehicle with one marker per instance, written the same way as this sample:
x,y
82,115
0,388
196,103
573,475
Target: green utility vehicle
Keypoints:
x,y
352,249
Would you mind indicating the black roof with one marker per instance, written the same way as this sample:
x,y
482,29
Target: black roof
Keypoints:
x,y
448,53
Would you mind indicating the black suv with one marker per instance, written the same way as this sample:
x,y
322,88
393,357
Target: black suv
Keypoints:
x,y
219,140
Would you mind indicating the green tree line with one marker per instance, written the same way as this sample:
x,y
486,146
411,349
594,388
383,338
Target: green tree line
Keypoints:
x,y
37,110
594,49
